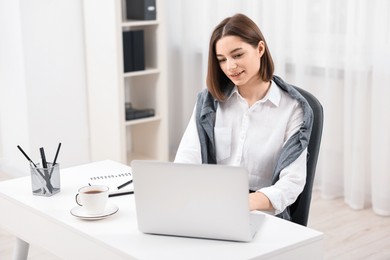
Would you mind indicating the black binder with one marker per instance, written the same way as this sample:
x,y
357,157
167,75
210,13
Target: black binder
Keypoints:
x,y
127,51
133,50
141,9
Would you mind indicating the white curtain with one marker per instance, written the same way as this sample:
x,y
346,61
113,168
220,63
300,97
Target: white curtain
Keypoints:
x,y
338,50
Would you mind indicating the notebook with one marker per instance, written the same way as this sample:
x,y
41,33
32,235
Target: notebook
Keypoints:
x,y
193,200
119,183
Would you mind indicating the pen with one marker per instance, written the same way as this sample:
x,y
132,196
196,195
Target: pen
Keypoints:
x,y
124,184
121,193
43,156
58,150
31,161
46,170
28,158
55,159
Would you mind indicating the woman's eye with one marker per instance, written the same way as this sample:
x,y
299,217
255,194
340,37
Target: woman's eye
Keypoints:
x,y
238,55
221,60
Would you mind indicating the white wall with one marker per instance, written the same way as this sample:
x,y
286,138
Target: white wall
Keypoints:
x,y
43,83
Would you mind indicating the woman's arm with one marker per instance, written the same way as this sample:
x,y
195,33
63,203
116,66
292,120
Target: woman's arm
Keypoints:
x,y
286,190
258,201
292,178
189,148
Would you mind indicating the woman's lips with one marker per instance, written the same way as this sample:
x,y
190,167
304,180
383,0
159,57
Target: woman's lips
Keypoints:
x,y
236,75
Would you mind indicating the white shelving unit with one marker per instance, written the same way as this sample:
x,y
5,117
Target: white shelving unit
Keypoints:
x,y
109,88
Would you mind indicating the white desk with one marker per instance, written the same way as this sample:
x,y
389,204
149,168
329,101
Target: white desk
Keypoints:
x,y
47,223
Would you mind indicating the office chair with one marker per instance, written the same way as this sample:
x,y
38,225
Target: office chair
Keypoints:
x,y
299,210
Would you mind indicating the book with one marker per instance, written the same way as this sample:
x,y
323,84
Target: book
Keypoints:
x,y
119,183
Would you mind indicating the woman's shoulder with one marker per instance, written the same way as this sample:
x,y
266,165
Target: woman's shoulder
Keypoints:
x,y
203,95
205,102
289,90
292,93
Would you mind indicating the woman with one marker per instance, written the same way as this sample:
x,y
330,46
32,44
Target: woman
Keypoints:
x,y
249,117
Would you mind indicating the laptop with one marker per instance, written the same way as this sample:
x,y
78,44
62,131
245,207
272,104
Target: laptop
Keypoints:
x,y
193,200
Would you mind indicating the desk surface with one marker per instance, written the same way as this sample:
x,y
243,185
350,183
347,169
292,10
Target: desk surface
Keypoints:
x,y
47,223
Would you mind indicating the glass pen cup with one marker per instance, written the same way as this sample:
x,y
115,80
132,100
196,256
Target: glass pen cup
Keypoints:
x,y
45,181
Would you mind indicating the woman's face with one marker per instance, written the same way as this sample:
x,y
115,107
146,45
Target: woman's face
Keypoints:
x,y
239,60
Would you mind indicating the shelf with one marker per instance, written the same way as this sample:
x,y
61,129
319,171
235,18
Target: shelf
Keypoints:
x,y
142,120
147,71
108,84
136,23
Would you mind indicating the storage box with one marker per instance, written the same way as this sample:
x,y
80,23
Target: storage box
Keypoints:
x,y
141,9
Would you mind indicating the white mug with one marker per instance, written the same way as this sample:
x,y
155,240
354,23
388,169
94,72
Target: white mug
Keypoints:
x,y
93,199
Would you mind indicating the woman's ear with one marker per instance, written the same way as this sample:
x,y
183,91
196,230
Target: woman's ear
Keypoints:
x,y
261,48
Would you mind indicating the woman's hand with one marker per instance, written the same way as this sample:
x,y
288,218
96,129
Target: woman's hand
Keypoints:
x,y
258,201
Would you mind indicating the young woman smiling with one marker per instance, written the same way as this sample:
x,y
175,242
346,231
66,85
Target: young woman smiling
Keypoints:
x,y
249,117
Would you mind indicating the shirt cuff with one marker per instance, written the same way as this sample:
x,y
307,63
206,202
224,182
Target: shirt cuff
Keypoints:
x,y
275,196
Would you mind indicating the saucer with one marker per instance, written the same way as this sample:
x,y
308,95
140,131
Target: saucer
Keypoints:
x,y
79,212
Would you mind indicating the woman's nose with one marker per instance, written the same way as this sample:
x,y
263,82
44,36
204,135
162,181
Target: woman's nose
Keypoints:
x,y
231,64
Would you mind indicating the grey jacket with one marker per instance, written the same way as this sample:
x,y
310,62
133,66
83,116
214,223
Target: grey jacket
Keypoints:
x,y
205,121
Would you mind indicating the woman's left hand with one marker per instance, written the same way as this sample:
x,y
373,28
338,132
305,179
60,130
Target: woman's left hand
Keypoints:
x,y
258,201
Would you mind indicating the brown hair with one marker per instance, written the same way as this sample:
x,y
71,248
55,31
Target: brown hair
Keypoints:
x,y
243,27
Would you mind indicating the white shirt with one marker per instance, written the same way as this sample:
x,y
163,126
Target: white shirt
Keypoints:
x,y
253,137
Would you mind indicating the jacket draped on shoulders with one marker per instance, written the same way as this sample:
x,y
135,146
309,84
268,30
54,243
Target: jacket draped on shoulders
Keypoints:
x,y
205,121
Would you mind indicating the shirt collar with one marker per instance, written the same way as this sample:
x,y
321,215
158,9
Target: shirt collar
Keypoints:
x,y
273,95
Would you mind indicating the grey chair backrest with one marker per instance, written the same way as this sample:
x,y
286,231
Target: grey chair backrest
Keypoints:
x,y
299,210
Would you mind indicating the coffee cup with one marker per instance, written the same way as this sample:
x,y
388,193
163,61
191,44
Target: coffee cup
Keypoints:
x,y
93,199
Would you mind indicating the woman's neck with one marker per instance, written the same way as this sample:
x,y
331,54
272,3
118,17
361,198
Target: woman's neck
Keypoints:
x,y
254,92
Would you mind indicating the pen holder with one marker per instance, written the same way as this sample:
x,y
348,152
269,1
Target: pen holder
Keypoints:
x,y
45,181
